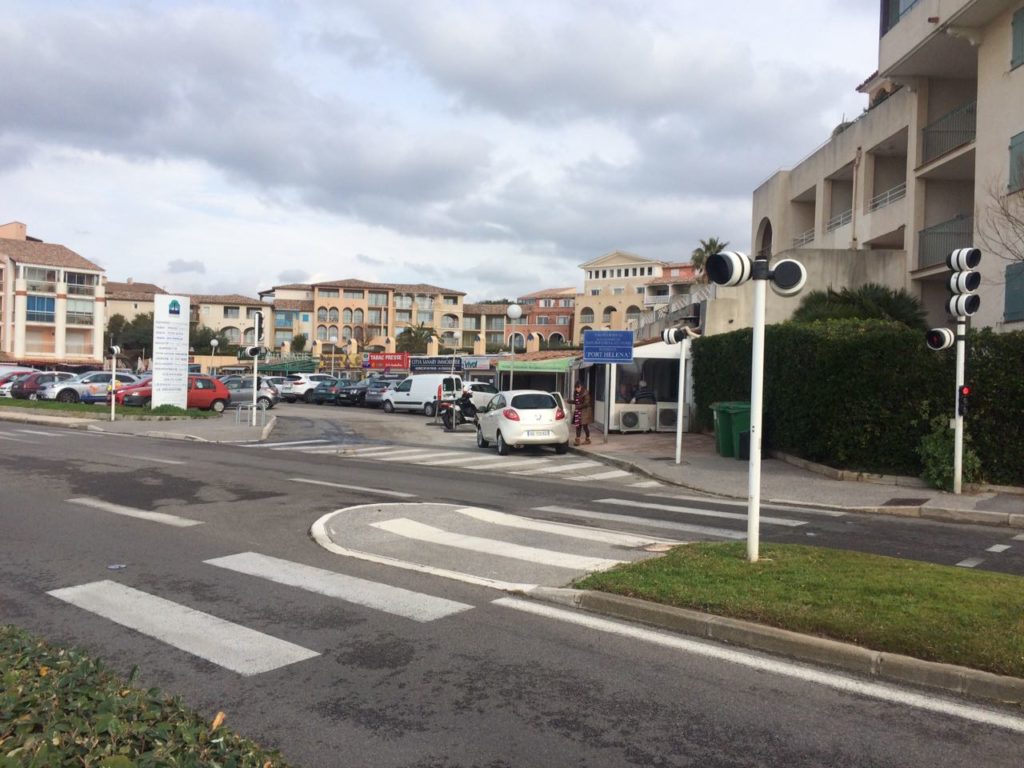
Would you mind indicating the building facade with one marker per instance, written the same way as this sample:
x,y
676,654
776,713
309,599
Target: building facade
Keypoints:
x,y
936,162
130,299
52,302
230,315
548,316
617,291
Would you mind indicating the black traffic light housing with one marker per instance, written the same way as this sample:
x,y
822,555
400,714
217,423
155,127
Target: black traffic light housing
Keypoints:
x,y
257,321
939,338
253,351
963,394
963,282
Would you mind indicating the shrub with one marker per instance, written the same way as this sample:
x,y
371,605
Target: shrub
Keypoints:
x,y
936,451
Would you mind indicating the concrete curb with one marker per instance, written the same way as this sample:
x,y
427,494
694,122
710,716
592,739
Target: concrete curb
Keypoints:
x,y
889,667
43,420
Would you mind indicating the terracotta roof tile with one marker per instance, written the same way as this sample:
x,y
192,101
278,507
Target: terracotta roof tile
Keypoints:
x,y
549,293
231,298
293,304
484,309
132,291
400,287
45,254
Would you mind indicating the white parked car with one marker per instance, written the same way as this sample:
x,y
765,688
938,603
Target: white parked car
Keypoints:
x,y
300,386
523,417
482,391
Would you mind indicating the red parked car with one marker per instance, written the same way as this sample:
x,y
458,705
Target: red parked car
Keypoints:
x,y
204,392
26,388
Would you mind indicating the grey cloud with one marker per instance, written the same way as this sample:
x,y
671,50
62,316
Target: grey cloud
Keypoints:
x,y
177,266
362,257
290,276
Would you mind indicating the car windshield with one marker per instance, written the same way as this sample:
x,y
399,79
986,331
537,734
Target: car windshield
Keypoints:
x,y
533,402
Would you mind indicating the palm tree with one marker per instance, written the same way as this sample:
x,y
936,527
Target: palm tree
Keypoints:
x,y
700,255
871,301
415,339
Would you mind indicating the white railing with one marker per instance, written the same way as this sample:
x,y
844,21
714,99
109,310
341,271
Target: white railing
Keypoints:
x,y
804,238
657,299
889,196
40,286
840,220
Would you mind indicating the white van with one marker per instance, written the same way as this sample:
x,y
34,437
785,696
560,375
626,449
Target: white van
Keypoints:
x,y
419,392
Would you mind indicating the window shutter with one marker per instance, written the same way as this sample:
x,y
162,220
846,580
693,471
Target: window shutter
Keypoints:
x,y
1017,55
1013,307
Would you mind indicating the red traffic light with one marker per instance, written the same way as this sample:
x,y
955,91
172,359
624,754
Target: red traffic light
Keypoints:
x,y
965,390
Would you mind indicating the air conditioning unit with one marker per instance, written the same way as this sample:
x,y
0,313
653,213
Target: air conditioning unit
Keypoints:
x,y
634,420
668,417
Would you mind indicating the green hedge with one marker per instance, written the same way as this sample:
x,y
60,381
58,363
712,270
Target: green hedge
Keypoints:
x,y
859,394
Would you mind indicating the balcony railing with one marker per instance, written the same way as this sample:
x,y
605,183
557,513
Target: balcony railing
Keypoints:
x,y
949,132
81,290
39,317
78,349
935,242
804,238
40,286
40,347
657,299
79,318
889,196
839,220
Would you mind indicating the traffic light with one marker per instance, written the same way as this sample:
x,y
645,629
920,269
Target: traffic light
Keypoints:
x,y
252,351
115,350
939,338
964,282
257,320
729,268
963,394
788,277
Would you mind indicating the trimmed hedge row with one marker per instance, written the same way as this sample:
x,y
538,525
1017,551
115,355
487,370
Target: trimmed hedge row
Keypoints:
x,y
859,394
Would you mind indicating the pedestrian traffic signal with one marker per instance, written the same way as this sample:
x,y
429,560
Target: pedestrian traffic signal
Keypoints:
x,y
939,338
964,282
962,396
729,268
252,351
788,277
257,320
115,350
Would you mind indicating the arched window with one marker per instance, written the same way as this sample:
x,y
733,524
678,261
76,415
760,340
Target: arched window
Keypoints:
x,y
232,334
332,315
358,334
346,315
321,333
609,315
346,333
249,335
332,334
586,315
556,341
321,315
358,317
633,314
764,239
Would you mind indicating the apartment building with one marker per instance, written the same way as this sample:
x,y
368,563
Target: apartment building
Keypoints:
x,y
616,292
130,299
548,315
52,302
230,315
483,327
935,162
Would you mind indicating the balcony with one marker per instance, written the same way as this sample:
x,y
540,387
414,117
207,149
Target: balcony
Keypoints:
x,y
949,132
839,220
804,238
935,243
888,197
40,286
81,290
39,347
79,318
656,299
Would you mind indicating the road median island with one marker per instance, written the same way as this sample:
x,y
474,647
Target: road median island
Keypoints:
x,y
61,707
936,613
101,412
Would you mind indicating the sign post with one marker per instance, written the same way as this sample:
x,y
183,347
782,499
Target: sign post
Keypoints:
x,y
610,348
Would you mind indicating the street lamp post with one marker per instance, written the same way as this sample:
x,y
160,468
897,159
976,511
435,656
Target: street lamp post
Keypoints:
x,y
213,348
514,312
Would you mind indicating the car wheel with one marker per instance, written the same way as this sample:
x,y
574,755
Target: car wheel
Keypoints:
x,y
428,409
218,406
502,446
561,448
388,407
266,403
319,402
308,397
480,441
67,396
33,396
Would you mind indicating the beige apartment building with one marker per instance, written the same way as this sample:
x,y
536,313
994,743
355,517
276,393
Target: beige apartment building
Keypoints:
x,y
130,299
925,169
52,302
548,316
230,315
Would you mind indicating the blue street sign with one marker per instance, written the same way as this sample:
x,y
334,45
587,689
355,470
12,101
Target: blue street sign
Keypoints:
x,y
607,346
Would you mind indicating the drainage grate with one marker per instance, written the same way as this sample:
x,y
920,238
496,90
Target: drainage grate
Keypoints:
x,y
904,502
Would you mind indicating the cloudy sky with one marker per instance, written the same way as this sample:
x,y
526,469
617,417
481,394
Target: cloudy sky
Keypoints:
x,y
490,147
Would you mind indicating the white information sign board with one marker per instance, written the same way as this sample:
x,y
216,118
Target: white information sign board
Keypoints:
x,y
170,350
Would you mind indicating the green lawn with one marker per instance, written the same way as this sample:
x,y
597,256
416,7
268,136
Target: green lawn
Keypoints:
x,y
60,708
939,613
101,411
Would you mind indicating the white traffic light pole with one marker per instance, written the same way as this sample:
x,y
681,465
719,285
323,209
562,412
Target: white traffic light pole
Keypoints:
x,y
756,396
958,421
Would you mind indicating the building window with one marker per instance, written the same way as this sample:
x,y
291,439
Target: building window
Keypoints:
x,y
332,315
250,312
232,334
357,317
332,334
40,279
1013,302
1017,162
425,318
321,315
451,301
640,289
403,316
618,291
595,291
563,319
40,309
321,333
351,294
1017,55
543,320
79,312
586,315
378,299
80,284
567,302
232,312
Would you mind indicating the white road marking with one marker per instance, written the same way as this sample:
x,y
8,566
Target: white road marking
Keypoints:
x,y
396,494
13,439
701,512
601,475
141,514
502,462
147,458
419,532
1019,537
560,467
723,533
224,643
40,432
998,548
971,562
929,702
371,594
371,451
646,484
562,529
290,443
774,506
450,457
329,448
404,453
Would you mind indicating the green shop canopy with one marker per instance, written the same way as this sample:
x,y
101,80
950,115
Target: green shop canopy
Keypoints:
x,y
553,365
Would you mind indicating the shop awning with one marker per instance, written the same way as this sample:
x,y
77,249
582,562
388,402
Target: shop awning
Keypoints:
x,y
552,365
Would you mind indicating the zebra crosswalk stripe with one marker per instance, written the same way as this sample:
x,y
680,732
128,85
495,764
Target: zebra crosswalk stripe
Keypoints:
x,y
562,529
602,475
560,467
699,530
700,512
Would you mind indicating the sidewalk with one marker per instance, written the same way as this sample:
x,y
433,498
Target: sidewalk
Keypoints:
x,y
798,482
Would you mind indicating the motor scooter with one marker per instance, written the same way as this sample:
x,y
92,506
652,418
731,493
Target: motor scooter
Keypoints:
x,y
458,412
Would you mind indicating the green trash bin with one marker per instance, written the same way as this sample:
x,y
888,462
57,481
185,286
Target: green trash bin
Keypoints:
x,y
723,429
739,422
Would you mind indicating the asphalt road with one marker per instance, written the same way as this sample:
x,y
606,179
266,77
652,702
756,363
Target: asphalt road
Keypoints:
x,y
344,661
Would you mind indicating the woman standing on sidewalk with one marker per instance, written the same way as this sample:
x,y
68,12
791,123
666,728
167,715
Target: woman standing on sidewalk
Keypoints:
x,y
582,412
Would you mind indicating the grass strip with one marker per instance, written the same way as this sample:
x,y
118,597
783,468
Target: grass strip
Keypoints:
x,y
102,410
932,612
60,708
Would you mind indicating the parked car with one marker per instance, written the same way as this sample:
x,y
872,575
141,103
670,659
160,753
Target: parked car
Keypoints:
x,y
89,387
300,386
328,391
354,393
482,391
10,376
240,391
204,392
27,388
419,392
521,417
